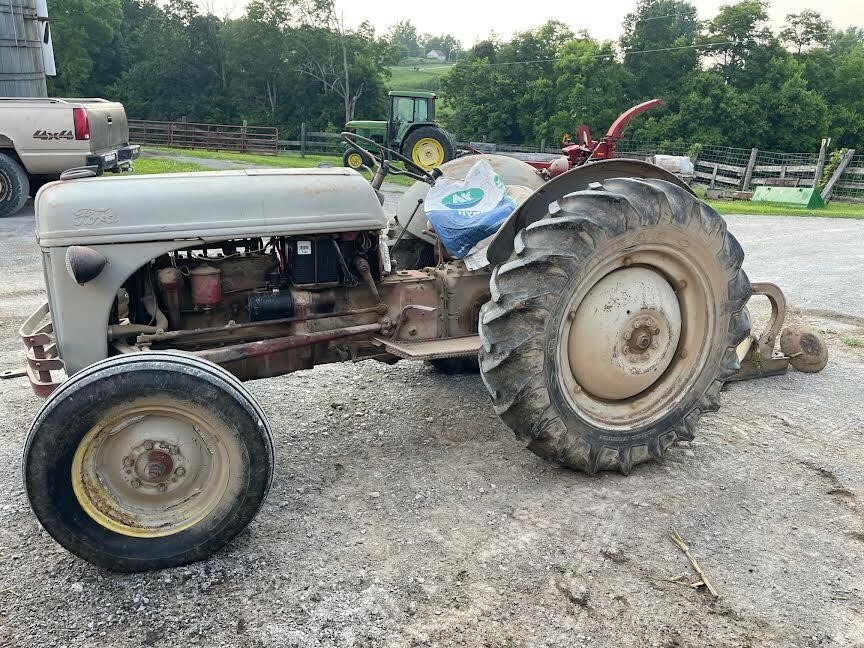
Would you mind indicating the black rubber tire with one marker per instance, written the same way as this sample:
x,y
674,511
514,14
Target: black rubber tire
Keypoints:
x,y
432,132
79,403
454,366
519,327
368,160
14,186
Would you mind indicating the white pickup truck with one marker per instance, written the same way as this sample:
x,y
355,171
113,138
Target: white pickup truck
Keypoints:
x,y
41,138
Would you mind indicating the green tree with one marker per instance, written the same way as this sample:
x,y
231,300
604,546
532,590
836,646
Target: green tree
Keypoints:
x,y
735,32
805,29
404,36
81,33
670,26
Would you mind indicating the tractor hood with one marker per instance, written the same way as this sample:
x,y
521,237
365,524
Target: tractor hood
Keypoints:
x,y
212,206
367,125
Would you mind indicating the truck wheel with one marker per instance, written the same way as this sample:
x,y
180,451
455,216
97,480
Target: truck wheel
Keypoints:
x,y
355,159
614,325
428,147
148,460
14,186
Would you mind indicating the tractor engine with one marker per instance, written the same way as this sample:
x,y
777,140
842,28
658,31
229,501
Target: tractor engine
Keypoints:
x,y
220,300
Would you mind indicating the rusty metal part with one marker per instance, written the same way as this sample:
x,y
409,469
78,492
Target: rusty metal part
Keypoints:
x,y
756,354
365,271
266,347
192,333
461,347
42,356
401,319
805,348
206,285
12,373
169,280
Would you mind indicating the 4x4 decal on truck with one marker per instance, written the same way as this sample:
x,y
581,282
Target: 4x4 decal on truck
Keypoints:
x,y
45,135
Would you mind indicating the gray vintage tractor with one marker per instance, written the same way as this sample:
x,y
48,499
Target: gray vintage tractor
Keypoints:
x,y
611,315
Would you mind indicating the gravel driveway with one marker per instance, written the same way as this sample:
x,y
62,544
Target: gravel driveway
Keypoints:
x,y
403,513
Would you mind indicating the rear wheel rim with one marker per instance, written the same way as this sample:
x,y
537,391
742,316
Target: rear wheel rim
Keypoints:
x,y
151,471
428,153
696,307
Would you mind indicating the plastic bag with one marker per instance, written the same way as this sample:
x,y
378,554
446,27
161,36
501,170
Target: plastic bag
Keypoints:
x,y
464,212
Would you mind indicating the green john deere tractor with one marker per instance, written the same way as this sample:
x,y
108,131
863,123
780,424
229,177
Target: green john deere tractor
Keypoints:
x,y
410,129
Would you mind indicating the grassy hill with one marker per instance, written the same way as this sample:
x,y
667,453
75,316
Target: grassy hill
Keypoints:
x,y
426,76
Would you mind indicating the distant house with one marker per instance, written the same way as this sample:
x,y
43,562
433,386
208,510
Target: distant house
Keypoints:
x,y
437,55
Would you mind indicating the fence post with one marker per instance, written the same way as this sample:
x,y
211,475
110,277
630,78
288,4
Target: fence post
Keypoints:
x,y
243,136
748,174
543,145
782,170
303,139
841,168
713,177
820,162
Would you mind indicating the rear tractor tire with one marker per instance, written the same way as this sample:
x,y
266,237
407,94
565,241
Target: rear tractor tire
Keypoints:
x,y
147,461
614,324
429,147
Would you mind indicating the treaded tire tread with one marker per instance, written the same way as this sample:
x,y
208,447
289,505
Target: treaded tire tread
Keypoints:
x,y
526,289
18,182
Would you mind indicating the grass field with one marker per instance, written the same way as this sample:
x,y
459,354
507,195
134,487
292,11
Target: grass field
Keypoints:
x,y
147,166
283,160
427,77
833,210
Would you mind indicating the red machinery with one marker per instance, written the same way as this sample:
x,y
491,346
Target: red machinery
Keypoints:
x,y
585,149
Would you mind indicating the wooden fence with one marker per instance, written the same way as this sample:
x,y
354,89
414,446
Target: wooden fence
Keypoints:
x,y
212,137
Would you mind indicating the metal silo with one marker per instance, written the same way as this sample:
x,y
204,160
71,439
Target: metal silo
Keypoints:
x,y
22,62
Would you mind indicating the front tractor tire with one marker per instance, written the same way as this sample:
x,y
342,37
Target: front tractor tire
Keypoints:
x,y
614,324
429,147
147,461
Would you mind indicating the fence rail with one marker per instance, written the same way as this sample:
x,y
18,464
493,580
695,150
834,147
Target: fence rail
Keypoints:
x,y
212,137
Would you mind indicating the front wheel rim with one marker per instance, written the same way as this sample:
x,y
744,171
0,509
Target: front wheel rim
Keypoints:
x,y
428,153
151,471
354,160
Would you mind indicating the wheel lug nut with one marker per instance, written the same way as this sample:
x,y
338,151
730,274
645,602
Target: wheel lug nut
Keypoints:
x,y
163,487
136,483
682,284
180,471
127,461
627,335
627,350
656,331
148,445
571,316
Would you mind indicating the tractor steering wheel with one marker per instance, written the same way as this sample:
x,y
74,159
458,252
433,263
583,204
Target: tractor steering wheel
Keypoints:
x,y
420,174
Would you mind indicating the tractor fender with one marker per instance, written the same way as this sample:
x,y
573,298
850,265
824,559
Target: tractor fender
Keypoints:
x,y
578,179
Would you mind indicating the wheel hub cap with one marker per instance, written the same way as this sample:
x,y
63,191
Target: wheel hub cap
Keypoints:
x,y
624,333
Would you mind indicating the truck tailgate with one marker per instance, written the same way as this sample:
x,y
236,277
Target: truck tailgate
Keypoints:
x,y
108,126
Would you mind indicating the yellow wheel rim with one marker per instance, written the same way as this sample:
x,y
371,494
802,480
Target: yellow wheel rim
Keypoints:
x,y
428,153
153,470
355,161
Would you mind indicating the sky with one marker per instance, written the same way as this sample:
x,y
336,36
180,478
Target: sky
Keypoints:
x,y
471,21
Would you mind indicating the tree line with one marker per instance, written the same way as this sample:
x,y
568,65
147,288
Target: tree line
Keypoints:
x,y
730,80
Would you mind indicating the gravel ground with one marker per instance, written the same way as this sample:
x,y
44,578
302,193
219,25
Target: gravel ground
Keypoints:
x,y
403,513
